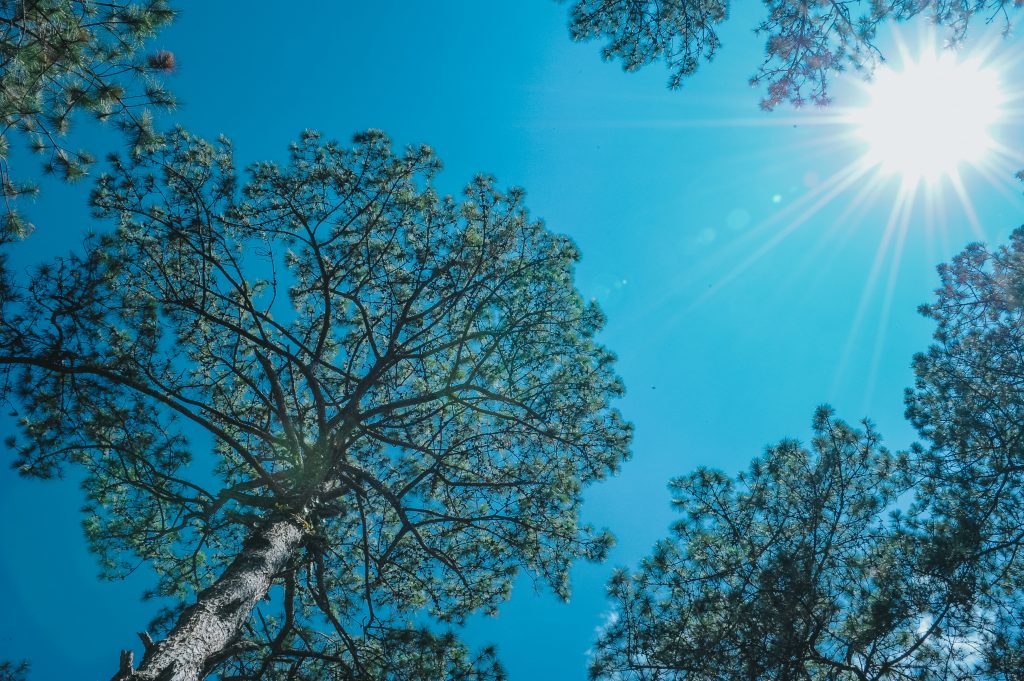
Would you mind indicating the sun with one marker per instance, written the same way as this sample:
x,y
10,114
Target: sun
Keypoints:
x,y
930,116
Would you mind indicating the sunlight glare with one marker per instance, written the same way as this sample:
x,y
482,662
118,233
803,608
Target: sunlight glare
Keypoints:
x,y
925,119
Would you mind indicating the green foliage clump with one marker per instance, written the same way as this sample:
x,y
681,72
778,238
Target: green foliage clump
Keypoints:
x,y
801,567
13,671
806,43
968,404
58,57
844,561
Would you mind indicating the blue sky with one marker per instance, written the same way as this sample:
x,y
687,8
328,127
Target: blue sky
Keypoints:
x,y
740,292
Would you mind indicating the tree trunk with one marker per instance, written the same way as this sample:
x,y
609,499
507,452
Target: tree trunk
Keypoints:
x,y
207,628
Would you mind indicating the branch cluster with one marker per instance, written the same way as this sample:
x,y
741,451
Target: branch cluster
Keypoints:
x,y
58,57
806,42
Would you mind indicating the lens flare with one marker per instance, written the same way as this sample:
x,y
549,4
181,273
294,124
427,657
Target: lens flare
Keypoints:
x,y
930,116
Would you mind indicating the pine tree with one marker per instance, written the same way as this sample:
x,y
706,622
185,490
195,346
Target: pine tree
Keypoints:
x,y
799,568
327,405
846,562
806,43
968,404
58,57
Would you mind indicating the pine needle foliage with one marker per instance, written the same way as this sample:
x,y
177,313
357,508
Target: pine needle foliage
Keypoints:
x,y
794,569
968,404
407,383
13,671
842,561
59,57
807,42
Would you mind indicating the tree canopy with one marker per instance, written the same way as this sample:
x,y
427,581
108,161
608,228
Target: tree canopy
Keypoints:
x,y
806,43
843,561
62,56
968,402
324,385
792,570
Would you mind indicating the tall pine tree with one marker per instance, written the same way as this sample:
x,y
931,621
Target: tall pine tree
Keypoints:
x,y
400,396
799,568
968,404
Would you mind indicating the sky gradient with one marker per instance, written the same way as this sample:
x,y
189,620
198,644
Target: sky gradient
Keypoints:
x,y
746,274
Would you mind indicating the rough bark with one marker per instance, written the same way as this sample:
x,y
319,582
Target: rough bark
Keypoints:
x,y
208,628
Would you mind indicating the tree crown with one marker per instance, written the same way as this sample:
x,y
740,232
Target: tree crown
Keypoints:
x,y
412,377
